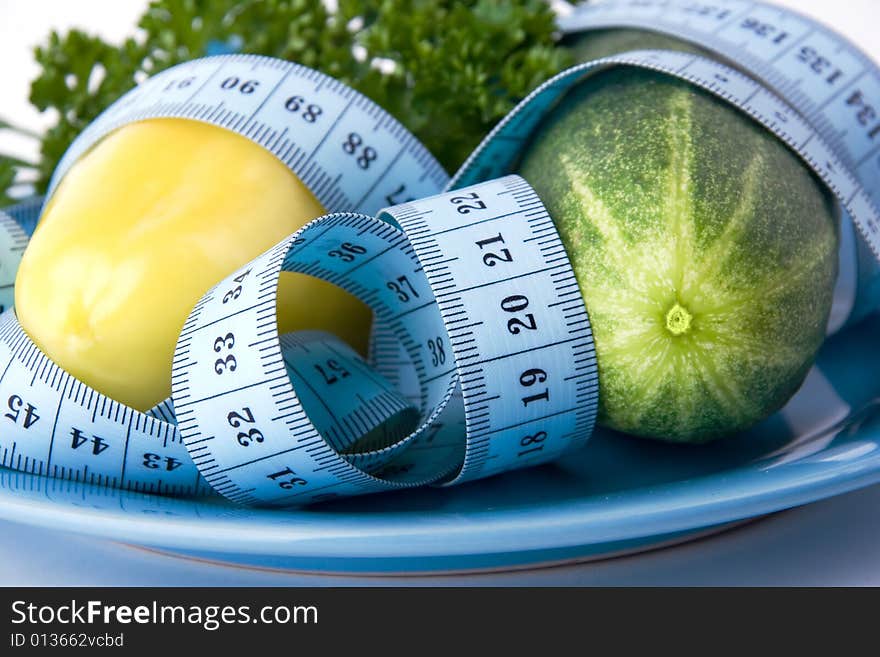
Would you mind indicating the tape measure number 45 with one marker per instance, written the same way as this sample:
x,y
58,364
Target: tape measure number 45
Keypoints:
x,y
482,357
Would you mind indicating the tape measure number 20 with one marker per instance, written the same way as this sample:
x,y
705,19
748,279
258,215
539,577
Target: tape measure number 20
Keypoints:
x,y
482,357
476,368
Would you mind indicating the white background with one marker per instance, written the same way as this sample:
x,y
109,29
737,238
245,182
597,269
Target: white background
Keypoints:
x,y
25,23
835,542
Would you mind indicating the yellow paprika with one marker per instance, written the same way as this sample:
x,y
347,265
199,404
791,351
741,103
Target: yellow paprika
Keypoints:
x,y
139,229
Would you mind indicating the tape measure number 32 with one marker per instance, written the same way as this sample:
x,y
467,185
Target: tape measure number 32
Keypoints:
x,y
482,357
476,368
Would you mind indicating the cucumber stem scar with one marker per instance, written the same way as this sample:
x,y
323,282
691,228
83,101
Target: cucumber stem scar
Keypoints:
x,y
678,320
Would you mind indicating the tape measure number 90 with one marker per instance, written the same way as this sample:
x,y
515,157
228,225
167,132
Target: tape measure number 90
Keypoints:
x,y
482,355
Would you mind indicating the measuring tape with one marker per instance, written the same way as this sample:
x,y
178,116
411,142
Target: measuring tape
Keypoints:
x,y
832,85
13,240
514,340
300,418
482,357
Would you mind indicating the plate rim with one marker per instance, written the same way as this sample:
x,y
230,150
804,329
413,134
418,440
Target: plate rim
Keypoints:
x,y
743,492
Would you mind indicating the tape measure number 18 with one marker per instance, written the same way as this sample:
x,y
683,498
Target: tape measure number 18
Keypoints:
x,y
481,361
482,356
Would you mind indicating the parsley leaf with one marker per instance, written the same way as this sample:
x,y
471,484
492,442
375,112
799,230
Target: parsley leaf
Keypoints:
x,y
459,66
446,69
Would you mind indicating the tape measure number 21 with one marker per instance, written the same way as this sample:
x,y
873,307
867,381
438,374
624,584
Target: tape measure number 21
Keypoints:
x,y
482,357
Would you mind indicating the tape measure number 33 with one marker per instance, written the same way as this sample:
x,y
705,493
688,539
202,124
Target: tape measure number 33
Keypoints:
x,y
479,322
482,357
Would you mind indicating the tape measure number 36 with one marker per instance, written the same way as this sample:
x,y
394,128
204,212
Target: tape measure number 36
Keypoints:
x,y
482,357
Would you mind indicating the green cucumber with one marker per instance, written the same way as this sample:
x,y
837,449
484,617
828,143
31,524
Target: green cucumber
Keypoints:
x,y
705,249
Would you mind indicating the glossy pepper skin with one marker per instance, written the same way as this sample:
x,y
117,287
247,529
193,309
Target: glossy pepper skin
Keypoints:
x,y
139,229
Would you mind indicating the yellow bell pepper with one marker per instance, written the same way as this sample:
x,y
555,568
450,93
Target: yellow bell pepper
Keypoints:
x,y
139,229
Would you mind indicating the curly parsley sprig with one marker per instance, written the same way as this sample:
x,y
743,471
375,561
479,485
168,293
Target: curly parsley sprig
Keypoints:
x,y
7,179
447,69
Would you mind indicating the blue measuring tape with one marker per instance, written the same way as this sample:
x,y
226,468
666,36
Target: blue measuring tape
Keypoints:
x,y
829,82
482,357
300,418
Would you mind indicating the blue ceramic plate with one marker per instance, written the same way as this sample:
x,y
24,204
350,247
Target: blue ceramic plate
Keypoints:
x,y
619,494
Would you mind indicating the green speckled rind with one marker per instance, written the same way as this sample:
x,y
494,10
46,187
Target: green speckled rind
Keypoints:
x,y
587,46
665,195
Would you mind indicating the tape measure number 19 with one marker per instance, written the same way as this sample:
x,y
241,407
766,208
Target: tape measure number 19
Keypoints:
x,y
482,357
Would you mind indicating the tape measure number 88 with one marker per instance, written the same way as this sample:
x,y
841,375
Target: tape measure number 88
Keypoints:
x,y
476,368
271,419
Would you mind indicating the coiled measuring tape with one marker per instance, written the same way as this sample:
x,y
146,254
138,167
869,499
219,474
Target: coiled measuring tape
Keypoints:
x,y
483,360
271,419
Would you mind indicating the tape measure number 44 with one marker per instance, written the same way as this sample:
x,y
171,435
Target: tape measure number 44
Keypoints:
x,y
482,357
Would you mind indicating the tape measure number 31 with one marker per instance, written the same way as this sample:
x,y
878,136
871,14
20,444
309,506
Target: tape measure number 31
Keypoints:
x,y
482,357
